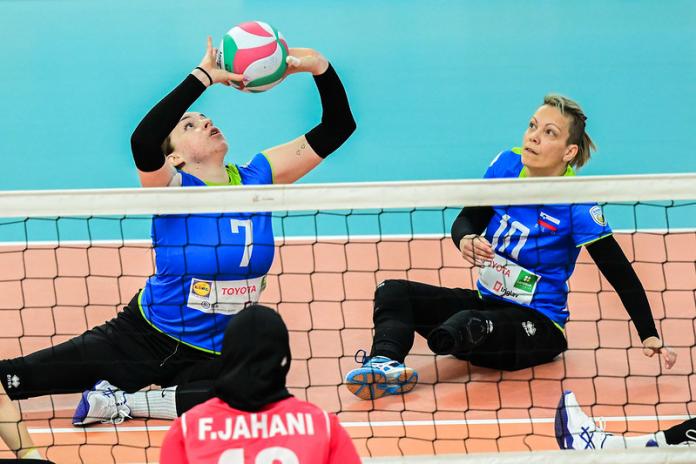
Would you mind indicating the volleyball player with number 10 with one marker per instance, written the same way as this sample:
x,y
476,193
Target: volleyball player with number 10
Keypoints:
x,y
516,316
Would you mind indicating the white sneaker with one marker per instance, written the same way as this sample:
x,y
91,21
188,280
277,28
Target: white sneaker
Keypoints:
x,y
574,430
103,403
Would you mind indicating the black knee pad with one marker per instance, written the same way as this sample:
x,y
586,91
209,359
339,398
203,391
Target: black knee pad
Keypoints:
x,y
460,333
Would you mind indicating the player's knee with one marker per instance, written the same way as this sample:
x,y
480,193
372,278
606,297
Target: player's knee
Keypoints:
x,y
461,333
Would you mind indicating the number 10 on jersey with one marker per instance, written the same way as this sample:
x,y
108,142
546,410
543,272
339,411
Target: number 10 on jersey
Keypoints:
x,y
506,231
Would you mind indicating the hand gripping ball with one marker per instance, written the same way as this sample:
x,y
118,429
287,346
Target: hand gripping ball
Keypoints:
x,y
258,51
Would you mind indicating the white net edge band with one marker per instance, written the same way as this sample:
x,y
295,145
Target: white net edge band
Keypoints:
x,y
675,455
338,196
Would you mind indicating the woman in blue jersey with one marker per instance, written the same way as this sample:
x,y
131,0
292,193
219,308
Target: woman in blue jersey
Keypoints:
x,y
515,317
208,266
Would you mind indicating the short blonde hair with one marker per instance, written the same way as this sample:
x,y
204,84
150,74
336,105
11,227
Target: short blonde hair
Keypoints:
x,y
577,134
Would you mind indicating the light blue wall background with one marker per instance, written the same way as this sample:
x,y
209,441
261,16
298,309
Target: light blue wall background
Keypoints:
x,y
437,87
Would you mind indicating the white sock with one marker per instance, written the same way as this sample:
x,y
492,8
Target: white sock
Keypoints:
x,y
155,404
32,453
621,442
661,440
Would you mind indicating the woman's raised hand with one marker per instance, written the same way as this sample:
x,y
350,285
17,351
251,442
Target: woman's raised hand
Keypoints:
x,y
306,60
217,75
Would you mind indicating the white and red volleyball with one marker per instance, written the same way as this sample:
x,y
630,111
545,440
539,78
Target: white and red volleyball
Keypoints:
x,y
258,51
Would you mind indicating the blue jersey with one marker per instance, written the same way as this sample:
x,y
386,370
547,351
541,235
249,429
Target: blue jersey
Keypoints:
x,y
536,246
208,266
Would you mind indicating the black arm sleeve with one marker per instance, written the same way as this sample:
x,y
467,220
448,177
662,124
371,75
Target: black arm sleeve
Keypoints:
x,y
471,220
337,123
146,141
616,268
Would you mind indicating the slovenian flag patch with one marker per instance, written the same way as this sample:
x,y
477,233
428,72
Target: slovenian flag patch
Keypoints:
x,y
549,222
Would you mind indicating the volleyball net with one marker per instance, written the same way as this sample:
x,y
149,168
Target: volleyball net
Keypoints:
x,y
70,260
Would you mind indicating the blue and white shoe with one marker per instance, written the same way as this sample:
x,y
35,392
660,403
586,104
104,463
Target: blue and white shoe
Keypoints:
x,y
574,430
103,403
380,376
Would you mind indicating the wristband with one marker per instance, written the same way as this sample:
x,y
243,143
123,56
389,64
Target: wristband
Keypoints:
x,y
206,73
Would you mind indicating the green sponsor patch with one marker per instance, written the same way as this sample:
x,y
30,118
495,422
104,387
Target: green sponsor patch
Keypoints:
x,y
526,281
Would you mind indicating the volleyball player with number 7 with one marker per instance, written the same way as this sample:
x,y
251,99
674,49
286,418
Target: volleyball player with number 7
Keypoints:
x,y
208,266
516,316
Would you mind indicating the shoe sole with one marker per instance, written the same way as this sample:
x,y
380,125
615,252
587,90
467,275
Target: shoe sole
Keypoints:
x,y
561,425
375,385
81,411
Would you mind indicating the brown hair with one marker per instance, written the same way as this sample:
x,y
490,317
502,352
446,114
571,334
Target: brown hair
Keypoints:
x,y
577,134
168,149
167,146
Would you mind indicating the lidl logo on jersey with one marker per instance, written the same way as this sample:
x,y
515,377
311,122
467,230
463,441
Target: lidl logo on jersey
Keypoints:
x,y
526,281
223,296
548,222
598,215
201,288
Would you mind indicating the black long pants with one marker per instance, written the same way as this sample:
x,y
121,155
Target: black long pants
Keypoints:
x,y
514,337
126,351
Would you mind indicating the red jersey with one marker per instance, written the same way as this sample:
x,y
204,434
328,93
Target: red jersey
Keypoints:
x,y
287,432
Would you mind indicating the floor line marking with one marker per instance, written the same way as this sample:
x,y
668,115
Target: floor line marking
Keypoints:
x,y
413,423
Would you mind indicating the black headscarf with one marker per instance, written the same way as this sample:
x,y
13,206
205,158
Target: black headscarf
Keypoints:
x,y
255,360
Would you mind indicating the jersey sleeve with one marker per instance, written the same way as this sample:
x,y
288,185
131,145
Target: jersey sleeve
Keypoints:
x,y
173,449
188,180
492,171
588,224
258,171
342,448
506,164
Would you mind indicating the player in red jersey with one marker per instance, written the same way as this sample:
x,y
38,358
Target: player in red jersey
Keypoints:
x,y
253,419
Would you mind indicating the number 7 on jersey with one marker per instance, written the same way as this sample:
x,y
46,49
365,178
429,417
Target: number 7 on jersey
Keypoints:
x,y
248,227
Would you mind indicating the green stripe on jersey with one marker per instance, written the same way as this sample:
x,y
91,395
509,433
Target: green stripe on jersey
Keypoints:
x,y
233,177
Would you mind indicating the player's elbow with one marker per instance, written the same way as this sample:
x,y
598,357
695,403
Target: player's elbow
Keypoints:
x,y
138,144
351,126
342,129
328,136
